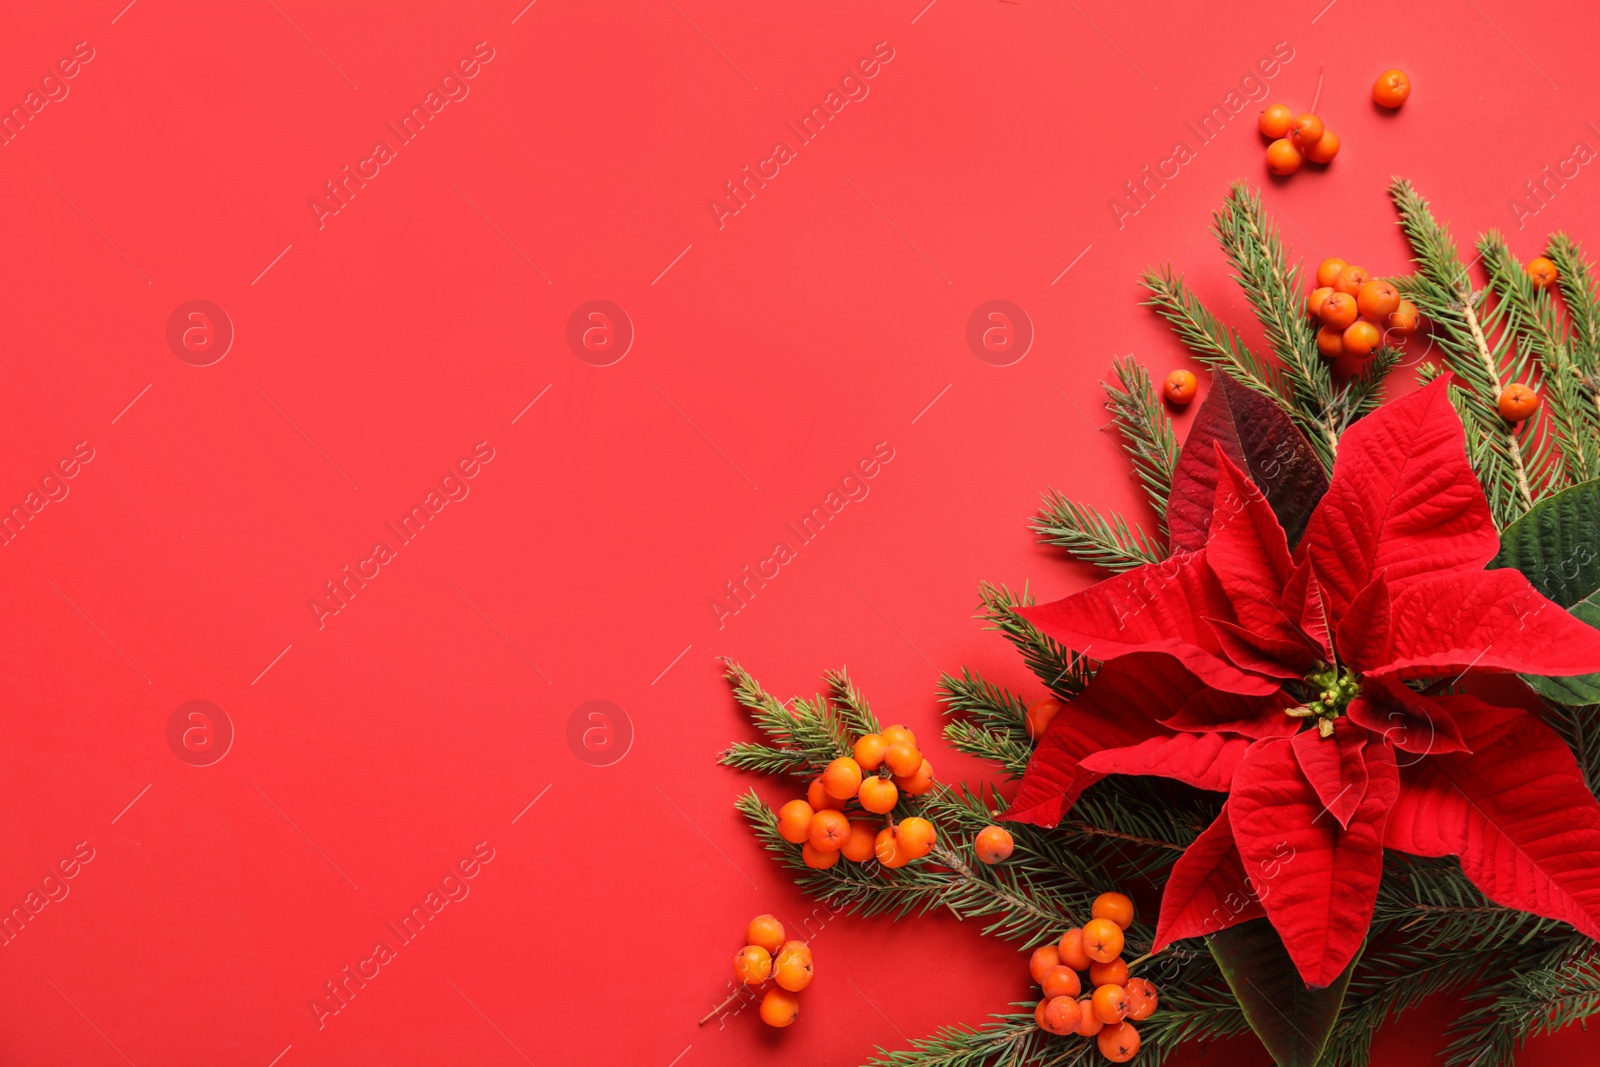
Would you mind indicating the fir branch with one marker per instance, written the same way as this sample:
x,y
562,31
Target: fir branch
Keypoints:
x,y
805,737
1559,988
1088,536
1012,1040
1063,672
1146,429
1433,905
1577,282
854,713
991,724
1210,341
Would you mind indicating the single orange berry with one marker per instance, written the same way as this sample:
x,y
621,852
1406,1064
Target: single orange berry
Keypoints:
x,y
1110,1003
887,848
1328,270
917,784
993,845
1275,121
1351,279
1517,402
1142,998
1113,973
878,795
1061,981
1405,319
752,965
818,859
1283,157
794,821
1039,714
1325,149
817,796
1305,131
1339,310
1039,964
779,1008
858,848
1542,273
1391,88
1038,1013
869,750
1114,906
766,931
1102,940
1330,342
1180,387
1377,300
903,759
1119,1043
895,735
792,969
916,836
842,778
1315,299
1071,948
1061,1015
1361,337
829,831
1089,1023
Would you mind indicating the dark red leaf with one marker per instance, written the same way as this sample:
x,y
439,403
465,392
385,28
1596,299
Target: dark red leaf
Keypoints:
x,y
1248,554
1248,716
1205,761
1275,657
1335,766
1365,631
1408,720
1207,890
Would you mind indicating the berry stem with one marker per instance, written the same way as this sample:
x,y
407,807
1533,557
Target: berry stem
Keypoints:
x,y
735,995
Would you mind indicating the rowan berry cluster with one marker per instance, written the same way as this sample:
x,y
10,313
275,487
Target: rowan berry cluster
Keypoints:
x,y
768,957
1356,310
1115,1001
882,766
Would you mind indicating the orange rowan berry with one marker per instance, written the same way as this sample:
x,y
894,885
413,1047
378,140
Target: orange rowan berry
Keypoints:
x,y
817,796
1275,120
1351,279
1391,88
1061,981
1039,714
1110,1003
1326,147
1283,157
766,931
818,859
842,778
1071,948
1542,273
887,848
752,965
1377,300
1361,337
1315,298
858,848
1328,270
1305,131
1330,342
794,821
993,845
916,784
1338,310
1180,387
1142,999
792,970
1119,1043
1061,1015
829,831
1406,318
1089,1023
1114,906
869,750
779,1008
1038,1013
1039,964
903,759
916,836
1113,973
1517,402
878,795
895,735
1102,940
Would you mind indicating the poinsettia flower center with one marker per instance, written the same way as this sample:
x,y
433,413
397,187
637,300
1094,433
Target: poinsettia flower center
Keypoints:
x,y
1328,692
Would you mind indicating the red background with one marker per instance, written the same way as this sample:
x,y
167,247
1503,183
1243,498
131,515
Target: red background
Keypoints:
x,y
775,352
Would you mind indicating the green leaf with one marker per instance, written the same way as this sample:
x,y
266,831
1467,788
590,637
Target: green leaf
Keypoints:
x,y
1556,545
1579,689
1292,1021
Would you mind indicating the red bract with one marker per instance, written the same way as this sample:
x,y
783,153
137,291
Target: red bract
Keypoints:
x,y
1281,679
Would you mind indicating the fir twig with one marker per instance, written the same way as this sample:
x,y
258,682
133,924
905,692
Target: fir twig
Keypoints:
x,y
1090,537
1146,429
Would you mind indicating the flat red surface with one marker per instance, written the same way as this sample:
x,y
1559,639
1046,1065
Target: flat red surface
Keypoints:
x,y
375,748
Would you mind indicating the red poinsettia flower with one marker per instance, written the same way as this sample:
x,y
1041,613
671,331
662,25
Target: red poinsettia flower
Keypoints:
x,y
1307,686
